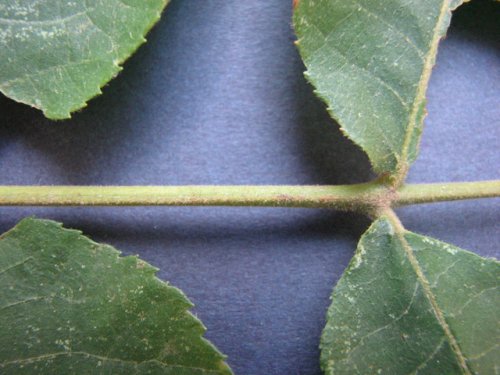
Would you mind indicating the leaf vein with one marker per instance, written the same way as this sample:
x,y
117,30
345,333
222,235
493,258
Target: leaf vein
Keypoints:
x,y
422,279
28,300
367,72
58,21
396,319
472,298
16,265
405,37
401,168
432,355
102,358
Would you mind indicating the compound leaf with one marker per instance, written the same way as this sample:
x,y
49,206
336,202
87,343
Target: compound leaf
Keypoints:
x,y
72,306
57,54
370,61
408,304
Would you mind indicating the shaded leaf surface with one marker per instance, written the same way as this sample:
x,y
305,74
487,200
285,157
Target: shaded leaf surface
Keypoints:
x,y
72,306
370,61
382,321
57,54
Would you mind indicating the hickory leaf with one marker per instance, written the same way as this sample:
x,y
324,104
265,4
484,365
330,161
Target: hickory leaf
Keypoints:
x,y
55,55
371,61
72,306
409,304
406,304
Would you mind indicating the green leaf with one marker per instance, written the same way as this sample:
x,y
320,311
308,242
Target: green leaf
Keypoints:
x,y
408,304
370,61
72,306
57,54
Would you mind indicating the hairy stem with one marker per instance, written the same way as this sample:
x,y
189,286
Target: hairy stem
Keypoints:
x,y
439,192
343,197
359,197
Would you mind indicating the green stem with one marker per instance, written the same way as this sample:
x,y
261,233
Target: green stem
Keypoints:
x,y
439,192
359,197
344,197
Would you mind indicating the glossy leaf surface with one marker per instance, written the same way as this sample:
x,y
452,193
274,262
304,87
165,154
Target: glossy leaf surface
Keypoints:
x,y
55,55
72,306
408,304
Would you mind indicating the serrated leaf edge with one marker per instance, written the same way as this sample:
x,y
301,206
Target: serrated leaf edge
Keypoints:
x,y
117,68
401,168
141,266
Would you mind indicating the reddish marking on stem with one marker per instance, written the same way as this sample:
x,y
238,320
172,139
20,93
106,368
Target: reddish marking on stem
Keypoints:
x,y
295,4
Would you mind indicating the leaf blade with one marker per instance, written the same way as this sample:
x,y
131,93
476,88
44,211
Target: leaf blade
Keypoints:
x,y
472,313
381,318
56,55
370,61
69,304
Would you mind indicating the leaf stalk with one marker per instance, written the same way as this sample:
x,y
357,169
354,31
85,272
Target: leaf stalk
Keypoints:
x,y
364,197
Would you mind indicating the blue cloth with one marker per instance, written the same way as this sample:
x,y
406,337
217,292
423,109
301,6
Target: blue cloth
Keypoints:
x,y
217,96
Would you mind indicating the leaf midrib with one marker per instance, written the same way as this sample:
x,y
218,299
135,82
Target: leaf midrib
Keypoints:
x,y
420,96
402,164
400,232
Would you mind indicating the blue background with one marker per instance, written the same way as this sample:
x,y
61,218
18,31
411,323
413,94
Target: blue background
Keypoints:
x,y
217,96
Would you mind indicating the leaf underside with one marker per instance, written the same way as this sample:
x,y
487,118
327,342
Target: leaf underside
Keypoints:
x,y
370,61
55,55
382,319
72,306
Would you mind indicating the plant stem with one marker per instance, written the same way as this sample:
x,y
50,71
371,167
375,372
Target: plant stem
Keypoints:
x,y
358,197
346,197
439,192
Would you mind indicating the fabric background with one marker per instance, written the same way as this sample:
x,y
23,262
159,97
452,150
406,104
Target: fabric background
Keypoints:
x,y
217,96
